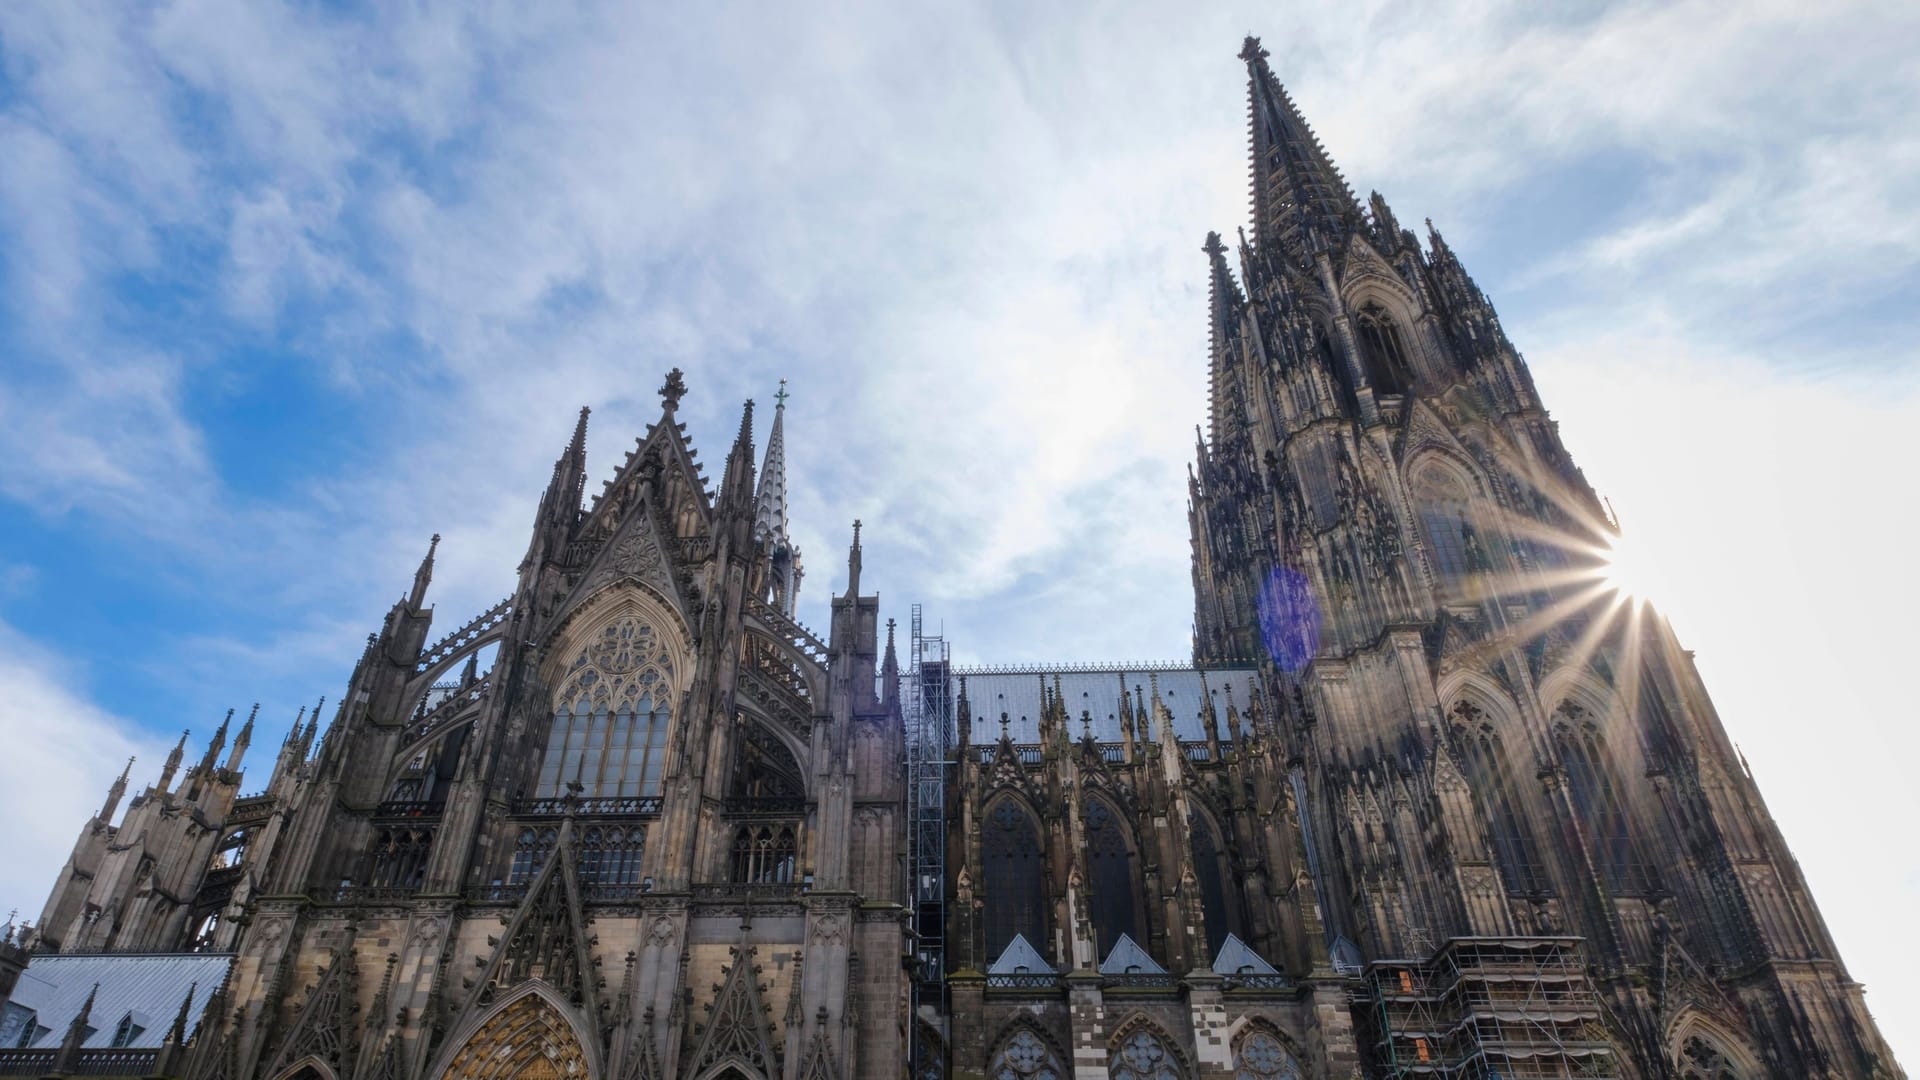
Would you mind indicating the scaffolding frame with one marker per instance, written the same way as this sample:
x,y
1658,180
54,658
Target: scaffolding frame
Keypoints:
x,y
930,728
1517,1008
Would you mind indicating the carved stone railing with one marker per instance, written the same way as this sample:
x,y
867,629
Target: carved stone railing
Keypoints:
x,y
1044,980
368,894
409,808
605,893
116,1062
449,707
756,892
250,810
1256,982
776,806
476,628
1028,753
627,806
37,1062
1137,981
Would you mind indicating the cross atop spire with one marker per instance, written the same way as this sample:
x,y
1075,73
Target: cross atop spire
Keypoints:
x,y
1300,201
673,390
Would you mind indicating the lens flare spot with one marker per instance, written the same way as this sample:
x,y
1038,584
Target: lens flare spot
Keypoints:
x,y
1289,619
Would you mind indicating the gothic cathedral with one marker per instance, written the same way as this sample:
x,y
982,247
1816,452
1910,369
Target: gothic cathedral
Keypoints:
x,y
1429,798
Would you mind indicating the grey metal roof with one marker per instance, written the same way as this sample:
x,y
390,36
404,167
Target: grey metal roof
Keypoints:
x,y
1128,958
150,986
1236,958
1020,958
991,691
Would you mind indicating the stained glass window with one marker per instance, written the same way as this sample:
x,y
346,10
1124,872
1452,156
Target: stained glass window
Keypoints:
x,y
1115,875
1011,878
609,731
1143,1057
1024,1057
1261,1057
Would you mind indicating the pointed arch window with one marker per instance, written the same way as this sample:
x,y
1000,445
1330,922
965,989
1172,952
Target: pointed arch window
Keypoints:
x,y
610,855
1384,349
1445,505
1703,1059
1597,803
1024,1057
399,858
1115,874
610,720
1012,878
1489,773
1217,892
1260,1056
530,851
764,855
1143,1056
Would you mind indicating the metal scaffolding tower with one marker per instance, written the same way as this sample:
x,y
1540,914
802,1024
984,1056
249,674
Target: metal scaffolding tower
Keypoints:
x,y
929,757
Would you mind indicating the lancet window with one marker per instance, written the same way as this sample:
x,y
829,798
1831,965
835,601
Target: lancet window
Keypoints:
x,y
1446,518
1115,872
1389,364
1217,892
1024,1057
530,852
1143,1055
1489,773
398,859
1260,1056
764,855
1597,802
1011,875
610,718
610,854
1700,1059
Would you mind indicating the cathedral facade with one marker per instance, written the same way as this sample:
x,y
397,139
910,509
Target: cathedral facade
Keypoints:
x,y
1429,798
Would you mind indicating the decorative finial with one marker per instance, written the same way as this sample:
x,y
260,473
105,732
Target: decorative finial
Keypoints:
x,y
780,396
673,390
1213,246
1250,50
856,532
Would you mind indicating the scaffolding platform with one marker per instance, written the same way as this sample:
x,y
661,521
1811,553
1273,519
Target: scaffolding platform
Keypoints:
x,y
1514,1008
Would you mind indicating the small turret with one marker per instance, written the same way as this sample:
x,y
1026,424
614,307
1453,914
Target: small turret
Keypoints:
x,y
214,747
114,795
424,575
174,758
890,676
242,741
853,562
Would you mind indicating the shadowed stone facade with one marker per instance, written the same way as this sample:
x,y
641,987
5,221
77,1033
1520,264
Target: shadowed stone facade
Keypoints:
x,y
1429,799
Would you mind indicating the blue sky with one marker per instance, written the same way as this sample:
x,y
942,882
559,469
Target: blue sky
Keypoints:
x,y
285,289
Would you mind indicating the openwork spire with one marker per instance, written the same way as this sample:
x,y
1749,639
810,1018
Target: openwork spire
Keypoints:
x,y
770,504
1300,201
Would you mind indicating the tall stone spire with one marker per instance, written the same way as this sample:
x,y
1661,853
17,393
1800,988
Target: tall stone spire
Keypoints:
x,y
1300,201
1224,302
770,505
114,794
424,576
770,514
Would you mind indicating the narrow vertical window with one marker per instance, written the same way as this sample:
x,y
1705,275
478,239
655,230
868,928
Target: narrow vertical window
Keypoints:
x,y
1215,872
1597,803
1011,878
1384,348
1482,759
1115,874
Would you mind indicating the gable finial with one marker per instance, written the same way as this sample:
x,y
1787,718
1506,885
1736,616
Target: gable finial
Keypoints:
x,y
1250,50
673,390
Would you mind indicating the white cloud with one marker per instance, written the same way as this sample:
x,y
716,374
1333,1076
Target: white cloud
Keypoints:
x,y
62,754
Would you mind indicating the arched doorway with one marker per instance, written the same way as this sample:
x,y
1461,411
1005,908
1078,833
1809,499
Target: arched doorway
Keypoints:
x,y
527,1038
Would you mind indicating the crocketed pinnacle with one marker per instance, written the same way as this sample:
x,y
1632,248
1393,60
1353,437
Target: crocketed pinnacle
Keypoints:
x,y
1224,302
770,504
1300,201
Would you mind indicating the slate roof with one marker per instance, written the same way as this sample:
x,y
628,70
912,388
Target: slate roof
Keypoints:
x,y
1017,693
1020,958
150,986
1236,958
1128,958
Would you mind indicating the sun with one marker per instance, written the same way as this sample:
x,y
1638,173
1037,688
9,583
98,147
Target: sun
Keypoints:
x,y
1628,568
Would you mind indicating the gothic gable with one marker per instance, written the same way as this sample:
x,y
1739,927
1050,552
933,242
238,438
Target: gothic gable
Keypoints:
x,y
737,1032
545,942
326,1022
636,553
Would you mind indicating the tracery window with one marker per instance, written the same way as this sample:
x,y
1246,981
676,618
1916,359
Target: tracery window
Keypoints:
x,y
1143,1057
1261,1057
1216,884
1111,864
1024,1057
1489,773
1597,803
530,851
398,858
1700,1059
1011,862
610,720
611,854
764,855
1389,364
1446,518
